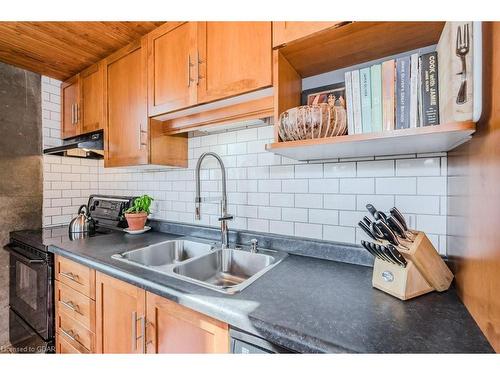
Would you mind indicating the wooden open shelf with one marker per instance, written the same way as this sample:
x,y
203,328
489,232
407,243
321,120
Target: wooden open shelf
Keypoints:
x,y
357,42
436,138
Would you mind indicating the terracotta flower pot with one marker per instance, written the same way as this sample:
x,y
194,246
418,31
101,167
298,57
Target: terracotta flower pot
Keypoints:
x,y
136,221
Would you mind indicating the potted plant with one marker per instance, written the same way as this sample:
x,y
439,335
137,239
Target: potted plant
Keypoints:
x,y
138,213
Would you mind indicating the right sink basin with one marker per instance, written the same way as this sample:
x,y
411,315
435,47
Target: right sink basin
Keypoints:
x,y
228,270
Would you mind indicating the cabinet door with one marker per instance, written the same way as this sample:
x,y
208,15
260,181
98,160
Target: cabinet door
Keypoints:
x,y
234,58
173,328
69,107
92,101
126,112
171,67
286,32
120,316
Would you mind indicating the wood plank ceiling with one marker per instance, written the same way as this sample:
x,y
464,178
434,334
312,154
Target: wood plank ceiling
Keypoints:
x,y
62,49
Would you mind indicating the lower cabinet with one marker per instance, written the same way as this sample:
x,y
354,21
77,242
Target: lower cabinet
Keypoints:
x,y
130,320
172,328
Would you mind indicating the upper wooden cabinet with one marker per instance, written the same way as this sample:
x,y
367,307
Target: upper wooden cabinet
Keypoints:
x,y
172,54
234,58
286,32
70,100
193,63
92,98
82,102
126,113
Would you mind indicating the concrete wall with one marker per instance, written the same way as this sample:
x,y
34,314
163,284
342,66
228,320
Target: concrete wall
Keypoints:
x,y
20,166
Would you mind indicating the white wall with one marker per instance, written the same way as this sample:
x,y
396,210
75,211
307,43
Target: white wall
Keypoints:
x,y
266,192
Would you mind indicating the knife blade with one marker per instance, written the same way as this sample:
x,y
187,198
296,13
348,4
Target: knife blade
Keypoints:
x,y
367,230
397,255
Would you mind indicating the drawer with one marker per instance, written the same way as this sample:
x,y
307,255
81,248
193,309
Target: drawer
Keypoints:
x,y
64,347
73,332
75,275
76,305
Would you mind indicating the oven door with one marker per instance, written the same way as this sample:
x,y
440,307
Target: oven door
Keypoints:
x,y
29,292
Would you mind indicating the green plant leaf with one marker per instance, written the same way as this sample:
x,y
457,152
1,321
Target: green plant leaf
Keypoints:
x,y
141,204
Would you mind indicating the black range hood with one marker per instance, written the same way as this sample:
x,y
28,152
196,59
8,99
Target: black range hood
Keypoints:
x,y
89,145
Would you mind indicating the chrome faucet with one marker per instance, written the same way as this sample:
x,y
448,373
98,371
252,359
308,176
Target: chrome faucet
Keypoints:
x,y
225,217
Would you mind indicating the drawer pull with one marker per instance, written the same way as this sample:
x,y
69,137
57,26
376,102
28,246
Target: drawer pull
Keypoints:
x,y
70,305
72,335
71,276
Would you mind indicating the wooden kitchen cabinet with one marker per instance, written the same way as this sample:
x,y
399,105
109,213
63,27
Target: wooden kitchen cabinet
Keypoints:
x,y
126,135
171,72
233,58
172,328
120,316
286,32
92,99
70,100
192,63
82,102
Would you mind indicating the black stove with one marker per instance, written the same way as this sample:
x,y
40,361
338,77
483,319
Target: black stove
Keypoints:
x,y
31,289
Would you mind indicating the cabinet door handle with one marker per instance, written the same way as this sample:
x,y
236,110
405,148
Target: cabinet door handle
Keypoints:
x,y
134,331
73,114
189,70
77,115
199,62
72,335
70,305
70,276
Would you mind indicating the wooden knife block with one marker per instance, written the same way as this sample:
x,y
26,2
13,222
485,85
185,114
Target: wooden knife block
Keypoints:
x,y
426,271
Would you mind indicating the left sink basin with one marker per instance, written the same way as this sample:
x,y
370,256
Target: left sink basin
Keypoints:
x,y
165,253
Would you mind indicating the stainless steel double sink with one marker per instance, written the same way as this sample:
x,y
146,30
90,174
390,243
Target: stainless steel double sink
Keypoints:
x,y
225,270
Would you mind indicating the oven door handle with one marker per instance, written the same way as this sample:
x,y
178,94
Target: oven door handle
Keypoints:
x,y
12,249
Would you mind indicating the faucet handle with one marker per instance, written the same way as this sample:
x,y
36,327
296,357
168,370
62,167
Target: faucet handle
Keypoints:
x,y
226,217
253,245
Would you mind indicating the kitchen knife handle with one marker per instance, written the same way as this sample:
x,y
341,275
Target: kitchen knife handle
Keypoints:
x,y
371,209
377,232
367,248
399,216
389,234
396,226
367,230
367,220
395,252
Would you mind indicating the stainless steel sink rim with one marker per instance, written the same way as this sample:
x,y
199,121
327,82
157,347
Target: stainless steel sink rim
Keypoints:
x,y
169,269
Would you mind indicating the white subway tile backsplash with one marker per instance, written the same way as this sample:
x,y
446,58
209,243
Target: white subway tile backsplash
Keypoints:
x,y
309,200
309,230
340,169
396,185
418,167
282,200
295,186
340,201
357,185
294,214
309,171
431,185
266,192
281,227
377,168
321,216
339,233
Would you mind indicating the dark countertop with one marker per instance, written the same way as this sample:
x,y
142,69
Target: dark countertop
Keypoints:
x,y
304,304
